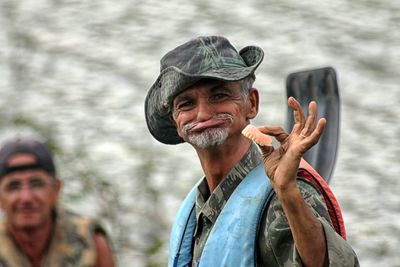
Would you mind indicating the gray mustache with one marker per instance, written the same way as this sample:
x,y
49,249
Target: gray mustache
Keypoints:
x,y
224,116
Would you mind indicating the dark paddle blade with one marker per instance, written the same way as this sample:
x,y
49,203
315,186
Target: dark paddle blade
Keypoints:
x,y
321,86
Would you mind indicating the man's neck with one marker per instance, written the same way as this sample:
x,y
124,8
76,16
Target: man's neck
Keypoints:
x,y
218,161
33,242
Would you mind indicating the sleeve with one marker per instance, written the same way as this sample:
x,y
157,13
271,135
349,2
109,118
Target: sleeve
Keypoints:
x,y
275,241
340,252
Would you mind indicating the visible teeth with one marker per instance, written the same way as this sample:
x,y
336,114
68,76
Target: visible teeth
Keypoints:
x,y
254,134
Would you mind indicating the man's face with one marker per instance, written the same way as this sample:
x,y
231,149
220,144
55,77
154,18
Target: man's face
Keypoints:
x,y
210,112
27,197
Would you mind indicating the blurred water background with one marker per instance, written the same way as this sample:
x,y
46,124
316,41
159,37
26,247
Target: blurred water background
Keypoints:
x,y
76,73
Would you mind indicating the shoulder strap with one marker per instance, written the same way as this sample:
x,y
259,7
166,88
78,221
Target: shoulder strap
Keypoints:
x,y
181,237
231,242
307,172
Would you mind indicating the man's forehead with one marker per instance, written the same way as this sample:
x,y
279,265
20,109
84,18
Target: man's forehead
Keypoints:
x,y
209,85
21,159
24,166
24,175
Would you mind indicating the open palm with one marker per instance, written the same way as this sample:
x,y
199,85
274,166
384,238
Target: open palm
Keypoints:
x,y
281,163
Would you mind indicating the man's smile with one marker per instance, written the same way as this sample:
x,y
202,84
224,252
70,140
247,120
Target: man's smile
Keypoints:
x,y
27,210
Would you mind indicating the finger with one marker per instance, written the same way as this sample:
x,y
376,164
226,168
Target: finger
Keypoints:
x,y
278,132
317,133
298,114
311,121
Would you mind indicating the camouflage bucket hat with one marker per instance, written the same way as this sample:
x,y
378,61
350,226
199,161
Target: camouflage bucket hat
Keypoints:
x,y
211,57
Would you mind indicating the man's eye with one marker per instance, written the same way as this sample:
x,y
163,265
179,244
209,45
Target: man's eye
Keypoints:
x,y
37,183
13,186
220,96
184,105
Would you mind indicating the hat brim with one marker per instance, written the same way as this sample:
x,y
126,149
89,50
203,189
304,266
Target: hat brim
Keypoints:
x,y
172,81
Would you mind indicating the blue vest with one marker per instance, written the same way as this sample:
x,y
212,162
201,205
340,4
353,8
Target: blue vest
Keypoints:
x,y
232,241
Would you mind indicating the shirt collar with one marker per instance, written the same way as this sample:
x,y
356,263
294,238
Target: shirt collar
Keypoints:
x,y
211,205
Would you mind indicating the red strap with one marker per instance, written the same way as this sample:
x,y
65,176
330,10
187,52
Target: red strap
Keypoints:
x,y
307,172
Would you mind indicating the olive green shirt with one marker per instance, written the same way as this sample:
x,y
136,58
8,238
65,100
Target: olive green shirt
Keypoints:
x,y
275,241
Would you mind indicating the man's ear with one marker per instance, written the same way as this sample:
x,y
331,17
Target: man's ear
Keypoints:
x,y
57,189
57,186
253,103
1,202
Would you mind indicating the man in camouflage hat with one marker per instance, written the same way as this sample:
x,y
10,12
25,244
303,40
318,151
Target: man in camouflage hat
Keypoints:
x,y
250,208
35,232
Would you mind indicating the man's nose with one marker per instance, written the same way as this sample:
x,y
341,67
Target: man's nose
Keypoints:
x,y
205,110
25,193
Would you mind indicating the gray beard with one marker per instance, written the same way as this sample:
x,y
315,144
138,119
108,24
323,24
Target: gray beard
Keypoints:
x,y
211,137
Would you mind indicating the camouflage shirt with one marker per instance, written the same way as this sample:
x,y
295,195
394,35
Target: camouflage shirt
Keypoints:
x,y
72,244
275,242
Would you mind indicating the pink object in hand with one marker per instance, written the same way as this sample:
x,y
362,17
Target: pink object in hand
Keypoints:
x,y
254,134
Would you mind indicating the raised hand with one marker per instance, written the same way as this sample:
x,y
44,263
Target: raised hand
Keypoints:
x,y
281,163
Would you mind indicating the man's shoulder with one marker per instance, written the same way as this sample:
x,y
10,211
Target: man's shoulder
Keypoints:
x,y
81,224
68,217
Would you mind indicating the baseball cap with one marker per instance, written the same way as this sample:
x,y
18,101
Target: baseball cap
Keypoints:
x,y
39,150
